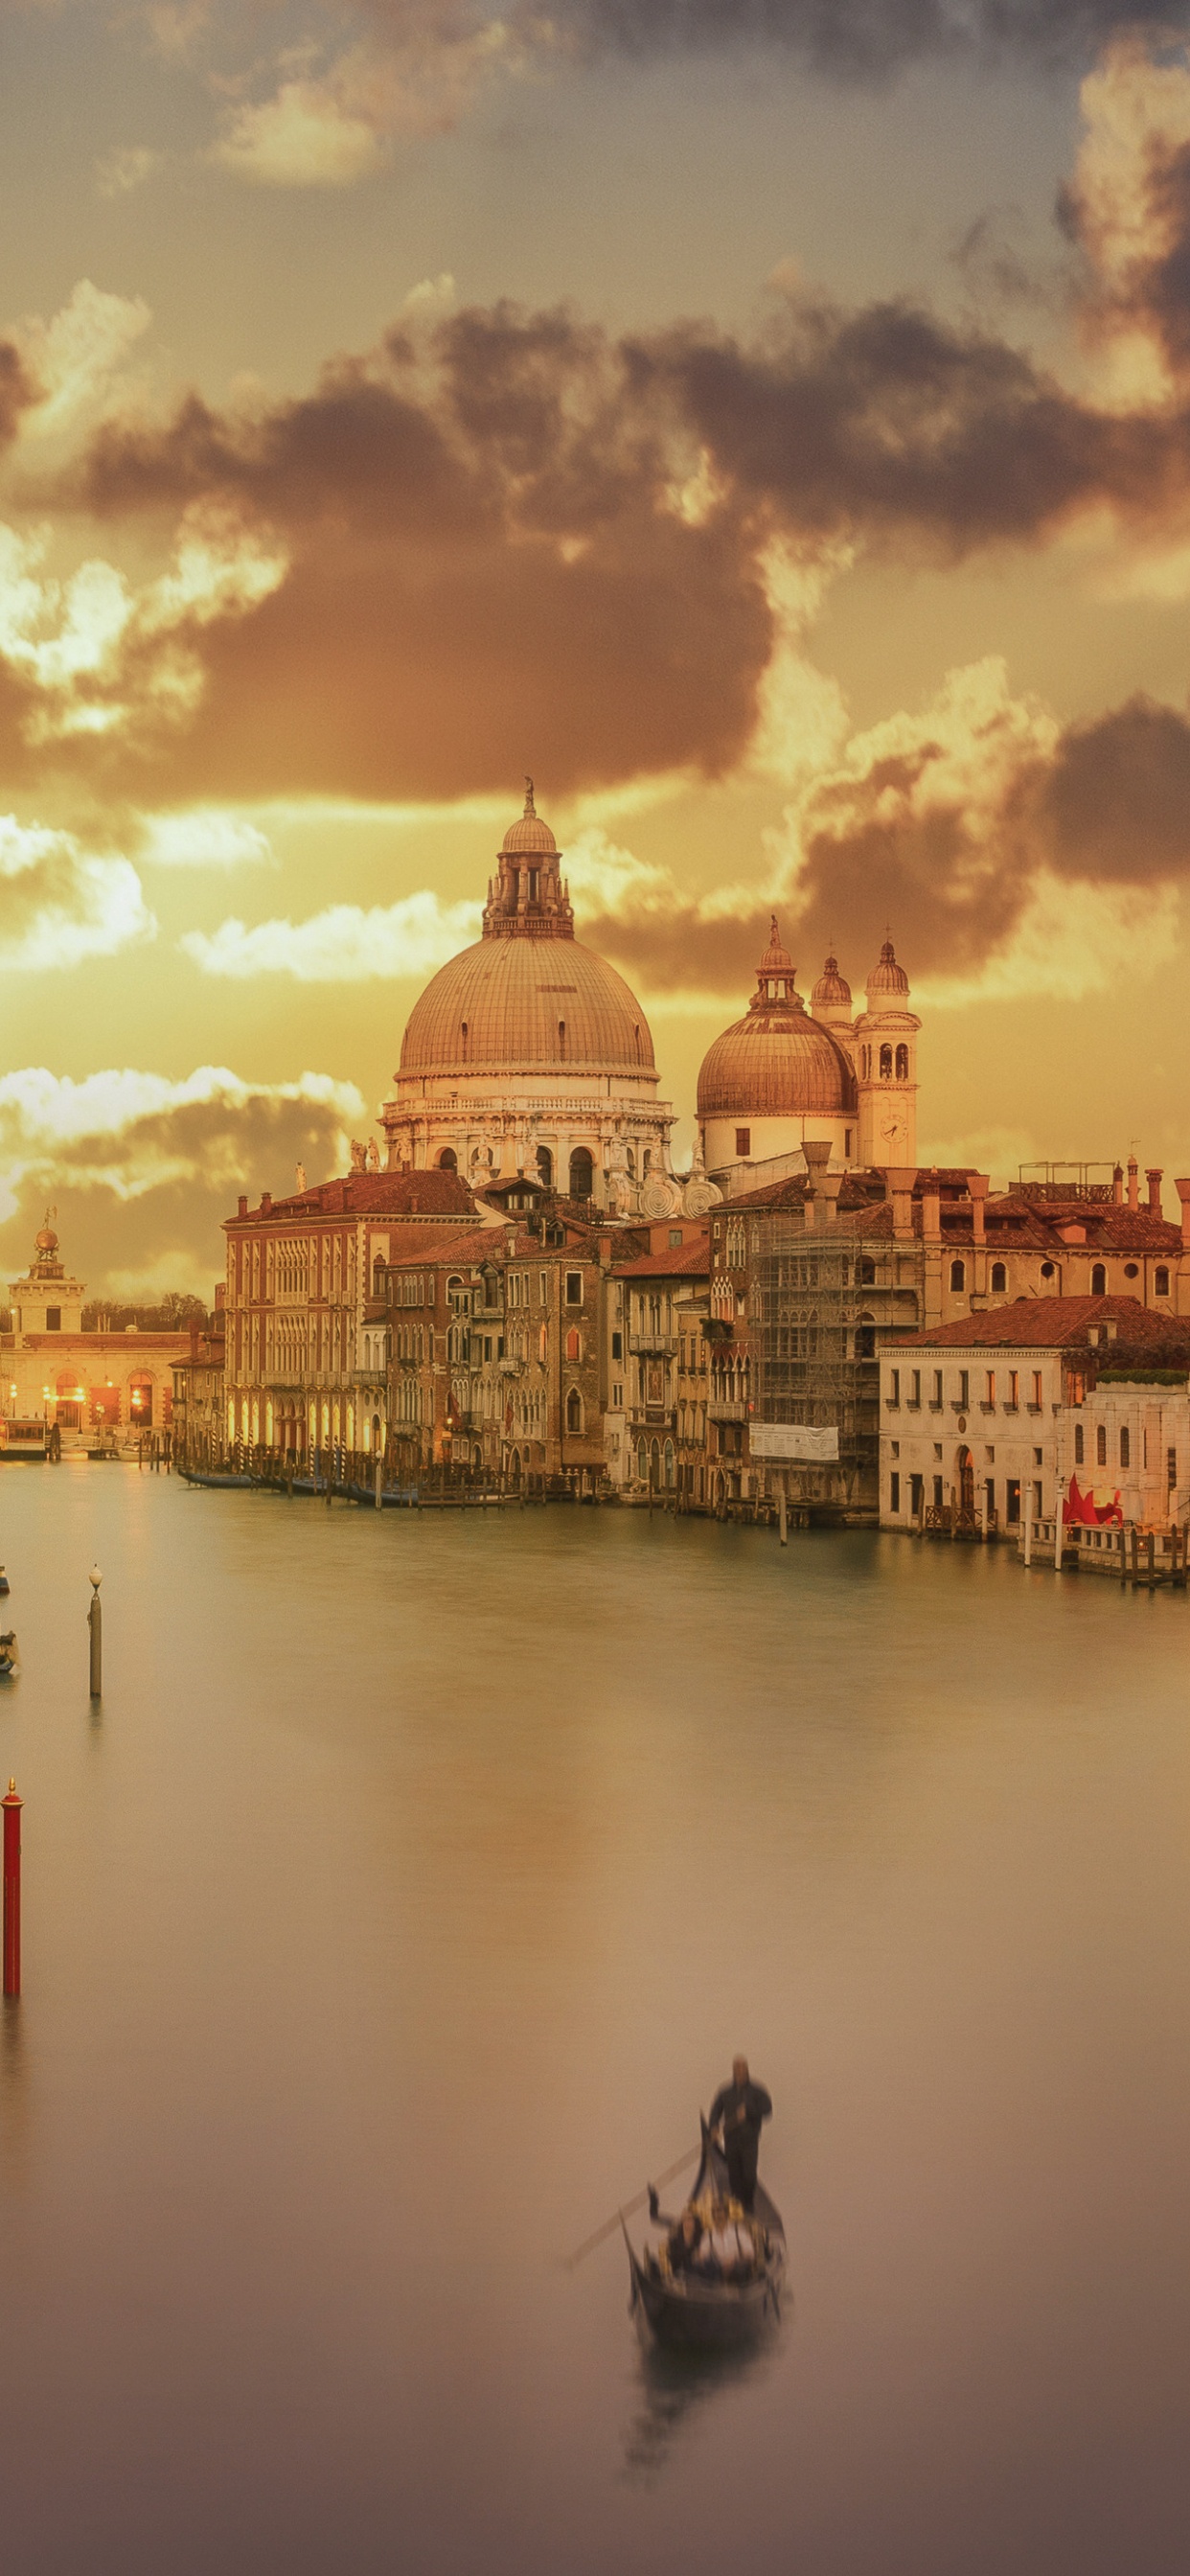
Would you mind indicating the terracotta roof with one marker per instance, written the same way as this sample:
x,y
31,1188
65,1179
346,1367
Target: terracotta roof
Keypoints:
x,y
1046,1323
859,1190
488,1243
371,1194
681,1261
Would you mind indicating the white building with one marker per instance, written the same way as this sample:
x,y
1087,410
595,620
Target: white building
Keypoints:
x,y
784,1076
977,1417
529,1054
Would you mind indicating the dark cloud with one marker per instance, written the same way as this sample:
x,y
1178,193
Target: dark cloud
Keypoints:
x,y
18,391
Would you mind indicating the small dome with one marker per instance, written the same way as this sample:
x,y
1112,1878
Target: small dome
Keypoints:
x,y
888,977
770,1068
529,832
832,990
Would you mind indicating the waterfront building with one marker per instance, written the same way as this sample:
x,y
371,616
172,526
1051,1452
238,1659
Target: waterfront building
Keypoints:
x,y
306,1326
497,1354
199,1430
528,1054
973,1413
657,1374
784,1076
98,1385
1124,1451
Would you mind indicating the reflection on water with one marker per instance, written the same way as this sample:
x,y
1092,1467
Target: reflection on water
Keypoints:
x,y
673,2388
424,1874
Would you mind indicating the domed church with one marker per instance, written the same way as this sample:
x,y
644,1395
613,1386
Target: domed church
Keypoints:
x,y
528,1054
783,1074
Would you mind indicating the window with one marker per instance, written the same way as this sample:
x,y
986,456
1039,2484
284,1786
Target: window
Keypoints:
x,y
990,1397
1160,1283
865,1341
937,1396
574,1343
964,1389
1012,1500
574,1287
1047,1270
562,1040
999,1278
545,1167
53,1319
617,1346
582,1173
1078,1444
1101,1445
937,1493
1014,1388
916,1494
886,1063
902,1064
915,1386
1171,1467
867,1274
1037,1505
847,1142
743,1140
675,1236
448,1160
1131,1270
1125,1449
574,1410
894,1386
958,1274
1037,1388
1098,1279
894,1493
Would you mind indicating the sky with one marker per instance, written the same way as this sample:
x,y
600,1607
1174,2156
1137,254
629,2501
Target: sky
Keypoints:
x,y
765,421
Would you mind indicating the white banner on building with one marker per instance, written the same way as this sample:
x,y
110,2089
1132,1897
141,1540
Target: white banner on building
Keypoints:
x,y
792,1440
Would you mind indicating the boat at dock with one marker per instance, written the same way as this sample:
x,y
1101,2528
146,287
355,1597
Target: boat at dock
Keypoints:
x,y
704,2311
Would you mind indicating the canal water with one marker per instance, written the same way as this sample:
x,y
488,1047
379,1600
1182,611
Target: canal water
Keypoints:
x,y
415,1884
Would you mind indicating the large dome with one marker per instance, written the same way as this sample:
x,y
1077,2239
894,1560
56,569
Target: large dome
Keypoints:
x,y
759,1069
508,1003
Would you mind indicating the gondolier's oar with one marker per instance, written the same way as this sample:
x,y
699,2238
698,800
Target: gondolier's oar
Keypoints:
x,y
630,2206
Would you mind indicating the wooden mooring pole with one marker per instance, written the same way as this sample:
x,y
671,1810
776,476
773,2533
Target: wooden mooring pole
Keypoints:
x,y
12,1890
95,1624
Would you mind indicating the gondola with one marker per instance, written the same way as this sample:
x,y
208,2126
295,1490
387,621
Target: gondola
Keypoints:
x,y
5,1585
711,2315
9,1657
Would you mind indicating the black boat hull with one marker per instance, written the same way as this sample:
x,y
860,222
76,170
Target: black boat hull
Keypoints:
x,y
713,2316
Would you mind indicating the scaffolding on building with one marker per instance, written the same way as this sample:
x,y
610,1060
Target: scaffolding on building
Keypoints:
x,y
813,1358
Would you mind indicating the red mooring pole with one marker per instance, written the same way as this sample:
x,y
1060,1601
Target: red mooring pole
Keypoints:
x,y
12,1806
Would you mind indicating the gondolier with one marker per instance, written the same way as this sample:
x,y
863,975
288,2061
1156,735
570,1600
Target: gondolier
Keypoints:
x,y
736,2113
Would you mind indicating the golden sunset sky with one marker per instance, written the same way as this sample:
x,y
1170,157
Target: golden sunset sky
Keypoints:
x,y
768,424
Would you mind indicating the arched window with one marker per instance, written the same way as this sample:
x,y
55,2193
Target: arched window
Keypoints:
x,y
140,1404
1125,1450
865,1340
867,1274
1161,1283
886,1063
574,1343
958,1274
582,1173
630,1163
902,1064
545,1167
448,1160
574,1410
1099,1280
1101,1445
642,1463
1078,1444
543,1344
999,1278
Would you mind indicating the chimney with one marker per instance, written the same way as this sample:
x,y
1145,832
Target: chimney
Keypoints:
x,y
900,1178
817,1153
1133,1183
1183,1191
931,1209
266,1201
220,1295
1109,1328
1117,1186
1093,1336
977,1184
243,1206
1154,1179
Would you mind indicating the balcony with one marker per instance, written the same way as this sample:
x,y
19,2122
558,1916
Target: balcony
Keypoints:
x,y
726,1408
653,1342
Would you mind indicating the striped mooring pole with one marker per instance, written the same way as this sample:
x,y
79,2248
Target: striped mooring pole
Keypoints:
x,y
12,1806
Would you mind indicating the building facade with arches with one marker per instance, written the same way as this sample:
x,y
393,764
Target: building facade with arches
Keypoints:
x,y
528,1053
91,1388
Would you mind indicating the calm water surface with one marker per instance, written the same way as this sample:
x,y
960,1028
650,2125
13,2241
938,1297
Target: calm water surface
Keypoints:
x,y
418,1881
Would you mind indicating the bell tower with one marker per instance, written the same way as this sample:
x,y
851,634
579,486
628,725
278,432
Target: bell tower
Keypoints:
x,y
884,1049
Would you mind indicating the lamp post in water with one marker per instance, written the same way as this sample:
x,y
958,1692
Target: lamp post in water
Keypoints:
x,y
95,1624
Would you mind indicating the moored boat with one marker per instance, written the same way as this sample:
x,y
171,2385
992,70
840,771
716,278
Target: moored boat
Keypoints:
x,y
701,2308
